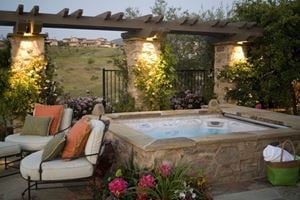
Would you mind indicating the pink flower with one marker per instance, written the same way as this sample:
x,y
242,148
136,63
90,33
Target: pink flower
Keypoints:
x,y
165,169
146,181
118,187
142,196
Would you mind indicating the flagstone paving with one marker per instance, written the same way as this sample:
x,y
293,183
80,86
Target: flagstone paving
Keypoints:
x,y
256,190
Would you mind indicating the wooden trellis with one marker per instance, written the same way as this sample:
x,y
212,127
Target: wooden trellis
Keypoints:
x,y
144,26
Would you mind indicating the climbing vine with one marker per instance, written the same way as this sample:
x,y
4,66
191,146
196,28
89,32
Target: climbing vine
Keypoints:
x,y
155,80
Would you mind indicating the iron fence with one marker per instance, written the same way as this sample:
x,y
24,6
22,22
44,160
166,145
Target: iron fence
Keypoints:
x,y
113,85
193,80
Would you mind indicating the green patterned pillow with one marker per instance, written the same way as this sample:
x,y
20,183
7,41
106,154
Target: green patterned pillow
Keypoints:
x,y
54,147
36,125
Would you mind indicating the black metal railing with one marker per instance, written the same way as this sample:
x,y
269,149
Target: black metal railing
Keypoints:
x,y
113,85
193,80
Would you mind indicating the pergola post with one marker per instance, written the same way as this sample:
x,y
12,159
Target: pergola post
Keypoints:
x,y
226,55
139,50
24,48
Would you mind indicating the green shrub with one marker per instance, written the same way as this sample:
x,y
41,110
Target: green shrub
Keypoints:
x,y
91,61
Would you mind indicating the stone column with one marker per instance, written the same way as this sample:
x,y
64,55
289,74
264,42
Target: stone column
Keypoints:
x,y
226,55
24,48
137,49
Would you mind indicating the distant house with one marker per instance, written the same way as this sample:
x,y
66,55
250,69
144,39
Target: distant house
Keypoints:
x,y
51,42
83,42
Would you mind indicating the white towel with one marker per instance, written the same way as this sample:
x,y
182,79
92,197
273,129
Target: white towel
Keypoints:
x,y
272,153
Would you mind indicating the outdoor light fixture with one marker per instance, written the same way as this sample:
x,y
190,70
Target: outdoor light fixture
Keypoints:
x,y
242,42
151,38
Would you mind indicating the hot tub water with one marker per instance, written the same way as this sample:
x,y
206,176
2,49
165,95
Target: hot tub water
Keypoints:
x,y
190,126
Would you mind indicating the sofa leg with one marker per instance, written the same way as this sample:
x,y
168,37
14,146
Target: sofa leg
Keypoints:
x,y
94,187
29,188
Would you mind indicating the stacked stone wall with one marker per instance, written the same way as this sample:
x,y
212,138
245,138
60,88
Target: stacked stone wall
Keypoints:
x,y
223,162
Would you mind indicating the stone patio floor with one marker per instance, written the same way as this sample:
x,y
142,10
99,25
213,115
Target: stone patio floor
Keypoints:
x,y
11,188
256,190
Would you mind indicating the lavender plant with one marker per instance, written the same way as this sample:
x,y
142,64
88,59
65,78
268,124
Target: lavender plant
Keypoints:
x,y
186,100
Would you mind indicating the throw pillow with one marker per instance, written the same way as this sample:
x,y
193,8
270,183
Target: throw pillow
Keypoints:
x,y
36,125
54,111
76,139
54,147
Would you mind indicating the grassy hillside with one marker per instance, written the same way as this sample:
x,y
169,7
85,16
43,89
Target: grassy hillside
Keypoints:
x,y
79,68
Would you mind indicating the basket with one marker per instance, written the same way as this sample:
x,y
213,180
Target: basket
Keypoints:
x,y
284,173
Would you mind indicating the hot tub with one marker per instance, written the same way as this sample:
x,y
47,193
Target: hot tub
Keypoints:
x,y
193,126
228,146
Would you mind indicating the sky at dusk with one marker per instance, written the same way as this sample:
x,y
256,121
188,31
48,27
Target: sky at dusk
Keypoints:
x,y
95,7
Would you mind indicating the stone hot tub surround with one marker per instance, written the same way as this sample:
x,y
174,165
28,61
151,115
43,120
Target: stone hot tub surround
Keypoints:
x,y
225,158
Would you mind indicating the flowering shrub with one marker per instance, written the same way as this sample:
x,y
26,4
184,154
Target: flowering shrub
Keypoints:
x,y
187,192
186,100
165,182
81,105
118,187
164,169
146,181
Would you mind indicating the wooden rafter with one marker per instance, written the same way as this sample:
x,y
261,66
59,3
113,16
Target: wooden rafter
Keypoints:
x,y
20,9
34,11
183,20
140,26
106,15
77,13
64,12
118,16
145,18
157,19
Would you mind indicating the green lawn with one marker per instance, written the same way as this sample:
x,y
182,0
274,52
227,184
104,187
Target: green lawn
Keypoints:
x,y
80,68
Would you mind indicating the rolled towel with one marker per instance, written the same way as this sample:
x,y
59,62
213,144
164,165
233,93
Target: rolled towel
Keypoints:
x,y
273,154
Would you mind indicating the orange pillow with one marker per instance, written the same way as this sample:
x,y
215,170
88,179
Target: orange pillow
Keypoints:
x,y
54,111
76,139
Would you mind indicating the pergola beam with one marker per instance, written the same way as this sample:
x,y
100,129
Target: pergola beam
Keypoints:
x,y
142,25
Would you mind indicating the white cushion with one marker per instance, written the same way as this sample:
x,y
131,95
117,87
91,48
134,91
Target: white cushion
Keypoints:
x,y
66,119
9,148
55,169
94,140
29,142
36,143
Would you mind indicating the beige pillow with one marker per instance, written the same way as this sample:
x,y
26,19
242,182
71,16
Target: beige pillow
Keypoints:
x,y
36,125
54,147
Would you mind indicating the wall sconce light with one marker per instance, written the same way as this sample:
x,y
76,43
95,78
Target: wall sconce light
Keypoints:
x,y
150,39
242,42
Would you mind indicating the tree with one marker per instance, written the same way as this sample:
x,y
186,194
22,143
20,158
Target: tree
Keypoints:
x,y
189,51
275,56
192,51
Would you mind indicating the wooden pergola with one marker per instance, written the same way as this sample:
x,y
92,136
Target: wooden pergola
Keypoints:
x,y
142,27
